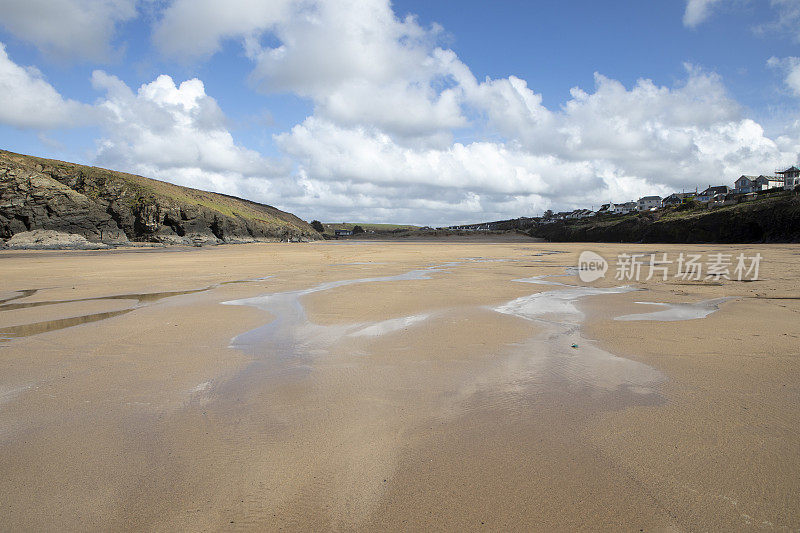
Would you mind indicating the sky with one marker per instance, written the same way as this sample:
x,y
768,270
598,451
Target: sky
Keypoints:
x,y
431,113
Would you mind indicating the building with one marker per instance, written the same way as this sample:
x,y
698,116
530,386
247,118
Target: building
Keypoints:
x,y
711,192
605,209
627,207
677,198
579,213
791,178
745,184
342,232
646,203
764,183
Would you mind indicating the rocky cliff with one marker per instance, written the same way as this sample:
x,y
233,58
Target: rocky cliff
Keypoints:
x,y
111,207
773,218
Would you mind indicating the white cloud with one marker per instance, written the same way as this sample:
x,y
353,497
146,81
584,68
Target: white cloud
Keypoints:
x,y
354,59
791,67
30,102
177,133
67,29
786,16
697,11
195,28
362,67
786,21
613,144
388,103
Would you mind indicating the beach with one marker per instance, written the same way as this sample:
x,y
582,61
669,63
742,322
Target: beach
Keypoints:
x,y
348,385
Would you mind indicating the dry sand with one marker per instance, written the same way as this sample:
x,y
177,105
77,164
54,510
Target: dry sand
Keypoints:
x,y
413,401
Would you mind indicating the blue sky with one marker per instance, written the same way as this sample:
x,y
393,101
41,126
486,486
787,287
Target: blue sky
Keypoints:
x,y
414,111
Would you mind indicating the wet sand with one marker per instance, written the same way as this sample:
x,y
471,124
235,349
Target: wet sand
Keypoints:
x,y
365,386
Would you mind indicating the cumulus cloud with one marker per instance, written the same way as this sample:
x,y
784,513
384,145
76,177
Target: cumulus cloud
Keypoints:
x,y
389,104
30,102
612,144
67,29
697,11
175,132
354,59
362,67
389,101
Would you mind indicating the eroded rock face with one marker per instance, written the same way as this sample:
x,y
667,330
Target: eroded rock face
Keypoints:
x,y
31,201
114,208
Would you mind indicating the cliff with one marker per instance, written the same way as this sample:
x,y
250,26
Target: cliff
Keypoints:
x,y
112,208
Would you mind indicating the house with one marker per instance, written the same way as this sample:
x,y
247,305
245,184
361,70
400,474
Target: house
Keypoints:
x,y
791,177
574,215
627,207
711,192
342,232
764,183
677,198
745,184
646,203
605,209
580,213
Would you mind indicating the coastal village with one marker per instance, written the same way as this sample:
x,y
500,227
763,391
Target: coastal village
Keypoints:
x,y
744,188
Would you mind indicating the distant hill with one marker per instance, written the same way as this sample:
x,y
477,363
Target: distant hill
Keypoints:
x,y
331,227
772,217
110,207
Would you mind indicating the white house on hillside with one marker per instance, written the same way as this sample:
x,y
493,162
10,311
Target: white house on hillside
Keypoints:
x,y
646,203
580,213
627,207
768,182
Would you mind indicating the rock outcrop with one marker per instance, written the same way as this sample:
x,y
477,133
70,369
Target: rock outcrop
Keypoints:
x,y
114,208
47,239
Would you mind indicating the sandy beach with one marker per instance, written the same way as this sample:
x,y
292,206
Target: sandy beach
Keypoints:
x,y
396,386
